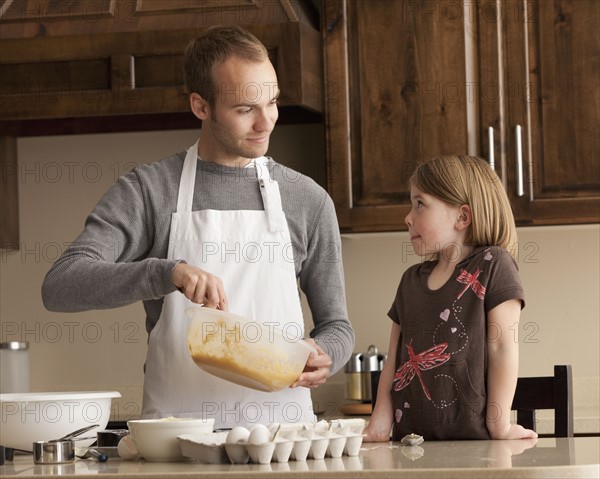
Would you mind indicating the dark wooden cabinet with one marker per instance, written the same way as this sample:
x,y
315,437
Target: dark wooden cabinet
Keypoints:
x,y
116,65
386,72
9,194
549,79
408,80
92,66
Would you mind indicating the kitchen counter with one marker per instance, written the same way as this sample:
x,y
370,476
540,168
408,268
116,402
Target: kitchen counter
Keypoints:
x,y
558,458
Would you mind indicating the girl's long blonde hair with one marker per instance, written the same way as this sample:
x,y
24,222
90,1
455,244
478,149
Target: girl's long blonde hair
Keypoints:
x,y
468,180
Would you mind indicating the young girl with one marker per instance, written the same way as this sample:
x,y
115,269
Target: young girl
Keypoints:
x,y
452,362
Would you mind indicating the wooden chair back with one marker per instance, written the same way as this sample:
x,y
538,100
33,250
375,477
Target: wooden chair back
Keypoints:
x,y
547,392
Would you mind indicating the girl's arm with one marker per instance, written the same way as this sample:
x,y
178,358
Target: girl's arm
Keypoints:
x,y
503,369
382,418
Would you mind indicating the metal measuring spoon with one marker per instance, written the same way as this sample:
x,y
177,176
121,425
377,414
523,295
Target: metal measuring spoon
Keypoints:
x,y
85,452
71,436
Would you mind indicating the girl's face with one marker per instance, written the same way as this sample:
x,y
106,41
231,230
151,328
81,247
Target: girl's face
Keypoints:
x,y
433,226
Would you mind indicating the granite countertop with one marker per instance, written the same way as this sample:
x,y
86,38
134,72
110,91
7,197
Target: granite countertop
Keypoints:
x,y
549,457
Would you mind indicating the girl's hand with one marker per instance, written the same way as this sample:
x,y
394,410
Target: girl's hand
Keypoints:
x,y
513,431
375,433
382,419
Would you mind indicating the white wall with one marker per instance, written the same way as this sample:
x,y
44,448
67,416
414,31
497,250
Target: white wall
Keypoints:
x,y
62,178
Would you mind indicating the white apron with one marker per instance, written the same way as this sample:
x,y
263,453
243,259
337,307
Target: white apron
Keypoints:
x,y
251,251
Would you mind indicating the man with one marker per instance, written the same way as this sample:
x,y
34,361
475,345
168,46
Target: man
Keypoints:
x,y
219,225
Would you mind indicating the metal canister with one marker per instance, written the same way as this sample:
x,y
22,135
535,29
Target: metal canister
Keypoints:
x,y
354,377
358,373
371,362
14,367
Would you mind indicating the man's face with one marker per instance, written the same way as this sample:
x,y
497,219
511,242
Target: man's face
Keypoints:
x,y
239,124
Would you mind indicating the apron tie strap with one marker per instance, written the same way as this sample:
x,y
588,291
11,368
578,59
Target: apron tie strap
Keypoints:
x,y
269,190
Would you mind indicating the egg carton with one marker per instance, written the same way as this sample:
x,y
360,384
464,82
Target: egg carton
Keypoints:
x,y
279,443
299,449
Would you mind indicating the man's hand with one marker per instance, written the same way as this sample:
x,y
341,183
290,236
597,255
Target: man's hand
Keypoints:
x,y
199,286
316,370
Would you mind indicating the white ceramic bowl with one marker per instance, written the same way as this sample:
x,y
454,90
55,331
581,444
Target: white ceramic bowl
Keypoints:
x,y
156,439
242,351
30,417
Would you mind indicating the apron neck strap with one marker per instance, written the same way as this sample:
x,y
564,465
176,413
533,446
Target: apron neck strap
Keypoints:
x,y
269,189
187,181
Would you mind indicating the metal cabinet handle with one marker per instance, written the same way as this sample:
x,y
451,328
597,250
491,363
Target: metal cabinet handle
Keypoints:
x,y
491,158
519,148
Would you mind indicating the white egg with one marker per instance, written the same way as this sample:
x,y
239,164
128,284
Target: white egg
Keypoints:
x,y
238,434
259,435
126,449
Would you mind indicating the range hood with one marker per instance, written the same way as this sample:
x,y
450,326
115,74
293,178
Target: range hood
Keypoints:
x,y
116,65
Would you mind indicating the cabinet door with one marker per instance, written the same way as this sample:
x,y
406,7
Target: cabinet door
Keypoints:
x,y
395,78
552,66
9,194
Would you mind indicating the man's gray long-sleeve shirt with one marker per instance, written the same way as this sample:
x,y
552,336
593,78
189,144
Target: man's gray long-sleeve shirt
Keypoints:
x,y
120,257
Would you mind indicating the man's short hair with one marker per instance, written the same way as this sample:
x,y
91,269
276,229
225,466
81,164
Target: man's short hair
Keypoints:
x,y
214,46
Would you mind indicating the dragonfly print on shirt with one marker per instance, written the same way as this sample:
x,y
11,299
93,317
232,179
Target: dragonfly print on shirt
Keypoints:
x,y
428,359
470,280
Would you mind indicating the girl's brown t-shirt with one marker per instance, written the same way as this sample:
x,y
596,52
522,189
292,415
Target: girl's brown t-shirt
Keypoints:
x,y
439,387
